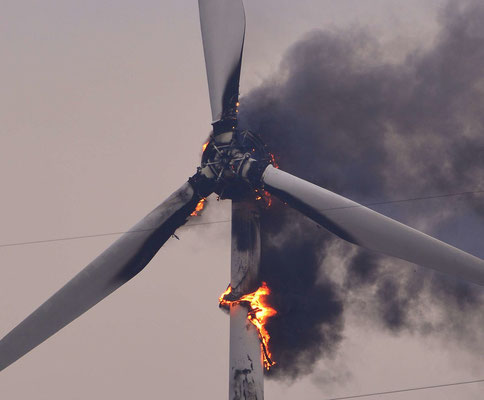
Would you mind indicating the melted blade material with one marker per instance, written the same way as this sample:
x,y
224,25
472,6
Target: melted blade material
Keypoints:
x,y
367,228
223,29
124,259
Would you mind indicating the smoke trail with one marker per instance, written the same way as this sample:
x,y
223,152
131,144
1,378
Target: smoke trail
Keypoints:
x,y
340,116
309,320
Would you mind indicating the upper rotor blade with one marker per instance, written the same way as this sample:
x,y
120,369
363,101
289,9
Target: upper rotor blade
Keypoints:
x,y
367,228
223,29
115,266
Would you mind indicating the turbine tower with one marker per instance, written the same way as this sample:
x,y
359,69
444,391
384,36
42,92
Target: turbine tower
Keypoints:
x,y
223,29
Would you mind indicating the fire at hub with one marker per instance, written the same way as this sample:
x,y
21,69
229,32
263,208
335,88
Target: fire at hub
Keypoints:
x,y
258,314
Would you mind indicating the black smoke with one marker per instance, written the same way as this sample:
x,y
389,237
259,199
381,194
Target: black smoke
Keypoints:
x,y
309,321
340,115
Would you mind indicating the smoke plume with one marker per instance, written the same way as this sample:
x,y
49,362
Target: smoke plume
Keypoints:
x,y
339,115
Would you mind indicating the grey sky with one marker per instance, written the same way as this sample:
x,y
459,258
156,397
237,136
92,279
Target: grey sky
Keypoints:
x,y
103,110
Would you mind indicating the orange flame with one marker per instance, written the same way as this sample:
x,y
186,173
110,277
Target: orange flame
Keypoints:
x,y
263,195
268,198
273,161
198,209
259,313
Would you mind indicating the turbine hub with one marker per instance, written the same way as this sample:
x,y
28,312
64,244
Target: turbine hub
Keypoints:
x,y
235,161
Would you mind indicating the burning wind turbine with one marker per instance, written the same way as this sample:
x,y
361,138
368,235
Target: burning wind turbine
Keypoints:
x,y
235,164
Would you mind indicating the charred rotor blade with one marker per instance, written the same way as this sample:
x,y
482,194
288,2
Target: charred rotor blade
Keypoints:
x,y
367,228
223,29
115,266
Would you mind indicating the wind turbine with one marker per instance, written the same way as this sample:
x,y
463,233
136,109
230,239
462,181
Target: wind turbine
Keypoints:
x,y
234,165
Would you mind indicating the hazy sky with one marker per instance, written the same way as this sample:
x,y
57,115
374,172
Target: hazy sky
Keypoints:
x,y
103,110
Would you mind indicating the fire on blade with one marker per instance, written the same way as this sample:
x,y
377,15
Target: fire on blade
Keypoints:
x,y
199,208
259,311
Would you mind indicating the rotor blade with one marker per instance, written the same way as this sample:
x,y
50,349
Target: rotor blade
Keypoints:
x,y
367,228
125,258
223,29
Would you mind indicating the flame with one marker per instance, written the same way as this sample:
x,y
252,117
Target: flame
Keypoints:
x,y
198,209
273,161
222,300
263,195
259,313
204,146
268,198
